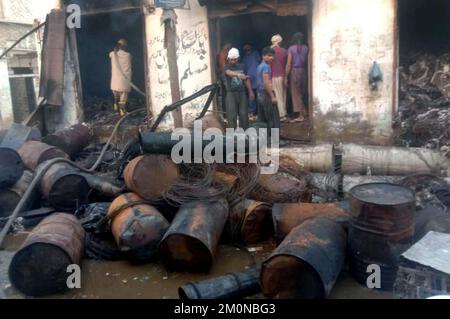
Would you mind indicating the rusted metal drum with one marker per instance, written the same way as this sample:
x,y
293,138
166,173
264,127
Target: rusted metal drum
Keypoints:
x,y
71,140
307,263
39,268
150,176
381,229
281,188
137,227
34,153
249,222
288,216
11,167
10,197
191,241
230,286
64,187
210,121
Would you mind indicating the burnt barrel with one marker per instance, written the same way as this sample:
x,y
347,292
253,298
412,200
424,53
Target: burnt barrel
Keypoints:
x,y
39,268
288,216
10,197
381,229
137,227
11,167
64,187
249,222
150,176
307,263
71,140
34,153
191,241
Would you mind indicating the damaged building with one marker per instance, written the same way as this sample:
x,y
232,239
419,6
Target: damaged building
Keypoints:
x,y
363,181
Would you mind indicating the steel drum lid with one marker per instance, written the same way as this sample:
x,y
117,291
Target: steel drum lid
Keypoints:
x,y
383,194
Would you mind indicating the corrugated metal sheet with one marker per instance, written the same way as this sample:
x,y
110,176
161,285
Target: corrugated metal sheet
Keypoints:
x,y
52,73
432,251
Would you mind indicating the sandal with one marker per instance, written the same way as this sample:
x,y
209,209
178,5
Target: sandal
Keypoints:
x,y
283,119
298,120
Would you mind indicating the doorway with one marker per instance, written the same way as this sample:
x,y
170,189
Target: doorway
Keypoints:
x,y
95,40
257,30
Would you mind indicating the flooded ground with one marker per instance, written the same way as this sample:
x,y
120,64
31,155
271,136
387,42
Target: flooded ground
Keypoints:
x,y
122,280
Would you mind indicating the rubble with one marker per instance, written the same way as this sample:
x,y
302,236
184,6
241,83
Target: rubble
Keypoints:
x,y
424,108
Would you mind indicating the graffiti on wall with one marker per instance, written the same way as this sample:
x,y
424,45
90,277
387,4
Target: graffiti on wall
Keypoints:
x,y
193,66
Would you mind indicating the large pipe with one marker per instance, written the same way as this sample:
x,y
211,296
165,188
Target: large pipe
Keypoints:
x,y
317,158
358,159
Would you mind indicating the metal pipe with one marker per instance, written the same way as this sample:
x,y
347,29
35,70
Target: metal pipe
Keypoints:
x,y
21,39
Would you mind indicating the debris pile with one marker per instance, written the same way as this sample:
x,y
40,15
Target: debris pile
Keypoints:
x,y
141,206
424,108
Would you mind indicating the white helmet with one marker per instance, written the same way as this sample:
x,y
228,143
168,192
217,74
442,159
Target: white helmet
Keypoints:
x,y
233,54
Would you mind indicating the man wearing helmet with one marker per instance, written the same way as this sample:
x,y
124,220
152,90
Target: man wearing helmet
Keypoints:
x,y
121,74
236,82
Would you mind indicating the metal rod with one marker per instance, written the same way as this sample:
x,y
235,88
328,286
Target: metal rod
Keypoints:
x,y
21,39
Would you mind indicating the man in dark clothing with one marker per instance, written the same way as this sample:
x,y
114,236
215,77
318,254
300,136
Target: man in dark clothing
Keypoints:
x,y
251,60
267,101
236,83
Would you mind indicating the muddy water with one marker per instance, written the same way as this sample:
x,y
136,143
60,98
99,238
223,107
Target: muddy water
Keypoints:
x,y
122,280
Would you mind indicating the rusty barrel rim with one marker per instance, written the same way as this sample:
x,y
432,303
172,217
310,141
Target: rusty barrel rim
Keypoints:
x,y
316,263
130,174
356,194
204,255
383,209
252,208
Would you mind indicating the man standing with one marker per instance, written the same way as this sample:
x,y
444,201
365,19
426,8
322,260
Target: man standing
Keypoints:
x,y
236,82
221,63
278,74
296,74
251,60
121,74
267,108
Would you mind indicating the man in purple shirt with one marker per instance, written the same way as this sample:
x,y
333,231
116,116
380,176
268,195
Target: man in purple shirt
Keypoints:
x,y
278,74
296,74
